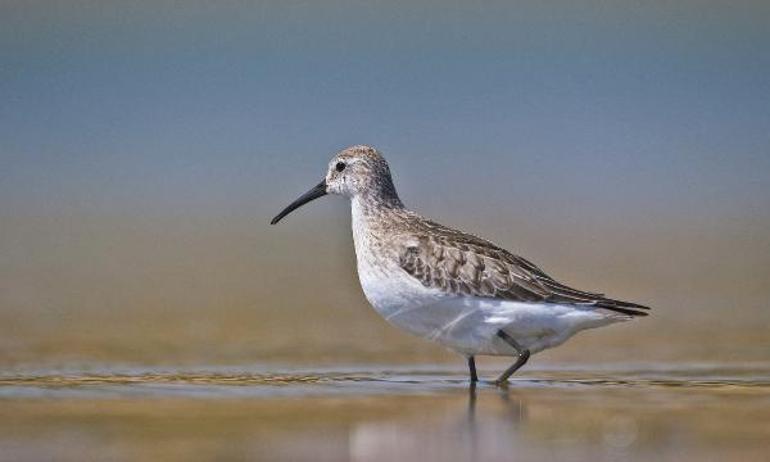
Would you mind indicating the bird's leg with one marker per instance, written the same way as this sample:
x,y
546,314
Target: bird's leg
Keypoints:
x,y
520,361
472,367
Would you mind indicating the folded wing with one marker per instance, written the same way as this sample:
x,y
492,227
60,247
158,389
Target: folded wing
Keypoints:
x,y
463,264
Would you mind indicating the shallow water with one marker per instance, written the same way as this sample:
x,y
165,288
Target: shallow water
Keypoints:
x,y
704,411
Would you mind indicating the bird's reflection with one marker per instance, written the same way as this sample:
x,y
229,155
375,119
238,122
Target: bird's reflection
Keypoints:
x,y
491,425
472,402
485,427
510,402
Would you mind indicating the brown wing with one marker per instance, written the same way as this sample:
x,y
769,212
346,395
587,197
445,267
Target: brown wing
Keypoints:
x,y
463,264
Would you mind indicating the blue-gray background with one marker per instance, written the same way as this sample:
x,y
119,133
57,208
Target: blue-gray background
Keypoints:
x,y
623,146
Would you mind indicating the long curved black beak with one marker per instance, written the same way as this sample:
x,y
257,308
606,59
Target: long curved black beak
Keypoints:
x,y
317,191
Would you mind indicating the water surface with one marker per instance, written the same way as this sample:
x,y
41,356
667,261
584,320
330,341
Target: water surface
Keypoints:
x,y
701,411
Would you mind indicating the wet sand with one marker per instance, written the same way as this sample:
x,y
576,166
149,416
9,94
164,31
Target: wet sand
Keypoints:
x,y
694,411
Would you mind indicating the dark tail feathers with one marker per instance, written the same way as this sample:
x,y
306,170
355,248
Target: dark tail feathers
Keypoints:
x,y
631,309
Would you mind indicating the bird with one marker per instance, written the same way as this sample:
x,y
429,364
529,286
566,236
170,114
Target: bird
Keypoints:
x,y
454,288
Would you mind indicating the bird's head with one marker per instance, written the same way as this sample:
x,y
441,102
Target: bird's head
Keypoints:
x,y
357,171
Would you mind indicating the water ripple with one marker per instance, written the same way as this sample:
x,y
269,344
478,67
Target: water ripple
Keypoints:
x,y
327,382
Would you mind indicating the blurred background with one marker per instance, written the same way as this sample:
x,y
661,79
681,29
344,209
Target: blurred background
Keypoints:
x,y
144,146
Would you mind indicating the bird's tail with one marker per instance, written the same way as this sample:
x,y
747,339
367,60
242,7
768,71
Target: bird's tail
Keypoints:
x,y
619,306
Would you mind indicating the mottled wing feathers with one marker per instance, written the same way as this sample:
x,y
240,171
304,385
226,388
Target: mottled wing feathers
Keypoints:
x,y
463,264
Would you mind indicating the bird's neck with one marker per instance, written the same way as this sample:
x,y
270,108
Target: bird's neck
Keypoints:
x,y
379,193
375,207
373,220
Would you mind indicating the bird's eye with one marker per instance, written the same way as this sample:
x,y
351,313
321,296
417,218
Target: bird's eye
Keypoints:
x,y
340,166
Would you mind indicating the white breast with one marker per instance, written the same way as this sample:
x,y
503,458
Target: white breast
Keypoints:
x,y
388,288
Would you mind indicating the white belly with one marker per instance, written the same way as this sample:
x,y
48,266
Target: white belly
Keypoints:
x,y
469,325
